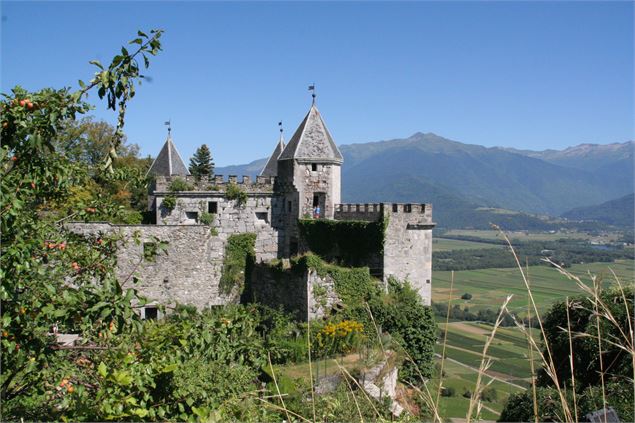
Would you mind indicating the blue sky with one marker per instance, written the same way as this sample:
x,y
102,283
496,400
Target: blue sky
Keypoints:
x,y
532,75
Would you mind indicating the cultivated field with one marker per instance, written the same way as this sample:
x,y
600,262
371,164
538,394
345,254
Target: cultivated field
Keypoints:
x,y
489,287
532,236
445,244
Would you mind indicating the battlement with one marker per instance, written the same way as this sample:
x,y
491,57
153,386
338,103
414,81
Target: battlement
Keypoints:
x,y
421,213
217,183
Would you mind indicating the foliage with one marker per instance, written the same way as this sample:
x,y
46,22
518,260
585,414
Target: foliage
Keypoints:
x,y
50,276
169,202
586,360
565,252
519,406
235,192
179,184
401,313
238,262
206,218
466,296
487,315
349,242
201,164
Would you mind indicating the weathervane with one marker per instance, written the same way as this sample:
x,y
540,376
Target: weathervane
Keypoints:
x,y
280,126
312,88
168,124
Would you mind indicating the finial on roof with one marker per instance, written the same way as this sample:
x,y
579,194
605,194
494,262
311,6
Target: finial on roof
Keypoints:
x,y
168,123
312,88
280,126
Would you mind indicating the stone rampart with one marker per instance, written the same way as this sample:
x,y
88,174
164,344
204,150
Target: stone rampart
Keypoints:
x,y
366,212
218,183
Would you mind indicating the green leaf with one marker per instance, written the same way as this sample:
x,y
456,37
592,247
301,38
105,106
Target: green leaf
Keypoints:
x,y
81,84
122,378
141,412
169,368
136,41
102,369
96,63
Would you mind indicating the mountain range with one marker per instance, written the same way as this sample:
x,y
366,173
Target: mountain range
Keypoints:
x,y
468,184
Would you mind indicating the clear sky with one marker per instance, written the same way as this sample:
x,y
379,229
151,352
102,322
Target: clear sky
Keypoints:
x,y
532,75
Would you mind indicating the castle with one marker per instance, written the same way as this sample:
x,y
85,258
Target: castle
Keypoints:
x,y
300,181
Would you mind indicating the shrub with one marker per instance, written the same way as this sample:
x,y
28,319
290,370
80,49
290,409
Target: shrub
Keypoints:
x,y
466,296
180,184
169,202
489,395
206,218
448,392
239,259
234,192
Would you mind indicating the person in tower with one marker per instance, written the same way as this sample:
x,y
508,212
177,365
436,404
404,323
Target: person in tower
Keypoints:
x,y
316,212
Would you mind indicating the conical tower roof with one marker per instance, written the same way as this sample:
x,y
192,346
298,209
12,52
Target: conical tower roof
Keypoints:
x,y
271,167
168,162
312,141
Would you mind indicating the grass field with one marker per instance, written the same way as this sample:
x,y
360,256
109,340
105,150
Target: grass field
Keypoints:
x,y
508,353
489,287
445,244
531,236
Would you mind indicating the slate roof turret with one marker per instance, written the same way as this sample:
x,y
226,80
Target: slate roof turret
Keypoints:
x,y
271,167
168,162
312,141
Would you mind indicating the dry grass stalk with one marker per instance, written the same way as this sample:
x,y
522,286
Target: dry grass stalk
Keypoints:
x,y
348,375
350,388
445,340
273,375
427,396
575,403
308,344
548,360
534,395
596,293
475,399
277,407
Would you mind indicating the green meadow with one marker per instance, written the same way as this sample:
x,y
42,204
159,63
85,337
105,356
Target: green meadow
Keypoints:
x,y
489,287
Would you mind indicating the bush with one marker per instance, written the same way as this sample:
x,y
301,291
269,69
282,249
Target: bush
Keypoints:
x,y
466,296
489,395
206,218
180,184
169,202
448,392
238,262
234,192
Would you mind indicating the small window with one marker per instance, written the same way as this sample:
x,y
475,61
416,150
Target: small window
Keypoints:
x,y
149,251
427,280
212,207
191,215
314,167
289,205
407,208
261,216
395,208
151,313
423,208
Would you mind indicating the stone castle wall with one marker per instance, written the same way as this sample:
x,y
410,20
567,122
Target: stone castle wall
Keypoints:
x,y
408,246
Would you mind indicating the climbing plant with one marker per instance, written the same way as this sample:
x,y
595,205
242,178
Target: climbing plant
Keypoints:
x,y
350,242
238,263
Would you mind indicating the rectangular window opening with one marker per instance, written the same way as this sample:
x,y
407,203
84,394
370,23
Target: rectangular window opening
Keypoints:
x,y
314,167
262,216
407,208
212,207
395,208
151,313
423,208
289,206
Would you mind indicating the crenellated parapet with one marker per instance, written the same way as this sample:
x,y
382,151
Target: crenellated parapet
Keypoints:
x,y
217,183
413,213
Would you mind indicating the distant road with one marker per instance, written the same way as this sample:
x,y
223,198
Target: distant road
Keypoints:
x,y
487,374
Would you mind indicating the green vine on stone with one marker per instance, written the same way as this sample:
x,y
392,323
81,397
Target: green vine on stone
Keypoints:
x,y
234,192
239,259
169,202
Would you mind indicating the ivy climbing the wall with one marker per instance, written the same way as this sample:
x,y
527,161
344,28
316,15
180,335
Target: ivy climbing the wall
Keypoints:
x,y
238,263
351,242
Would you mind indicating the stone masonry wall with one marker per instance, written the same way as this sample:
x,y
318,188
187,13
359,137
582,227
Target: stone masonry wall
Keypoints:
x,y
189,273
259,215
408,246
